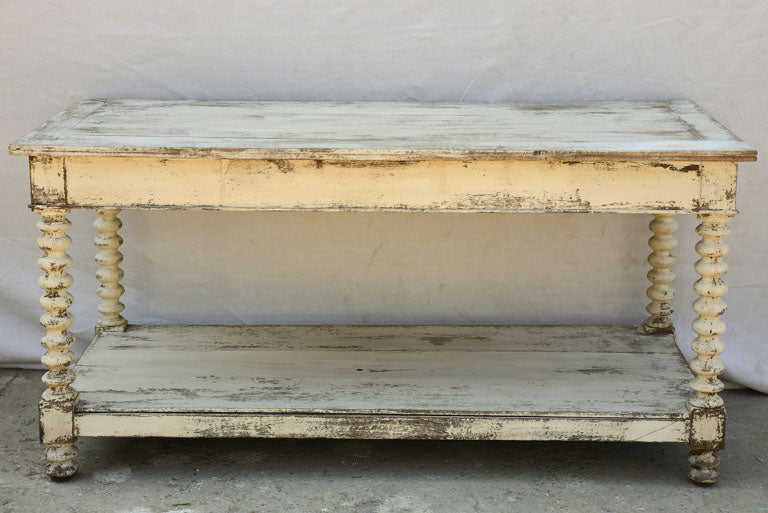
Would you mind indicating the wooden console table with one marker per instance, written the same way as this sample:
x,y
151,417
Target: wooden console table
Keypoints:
x,y
612,383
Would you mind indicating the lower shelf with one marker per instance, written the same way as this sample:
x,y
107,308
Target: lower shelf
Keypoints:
x,y
441,382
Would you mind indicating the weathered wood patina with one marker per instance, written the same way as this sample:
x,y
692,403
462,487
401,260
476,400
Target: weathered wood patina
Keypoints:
x,y
613,383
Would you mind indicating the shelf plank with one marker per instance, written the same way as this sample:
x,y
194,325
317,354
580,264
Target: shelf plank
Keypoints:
x,y
581,372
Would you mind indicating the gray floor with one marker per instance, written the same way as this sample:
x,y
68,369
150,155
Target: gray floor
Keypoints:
x,y
166,475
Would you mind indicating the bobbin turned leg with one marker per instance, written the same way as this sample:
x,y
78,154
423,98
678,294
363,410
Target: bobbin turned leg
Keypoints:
x,y
661,275
109,273
706,406
58,403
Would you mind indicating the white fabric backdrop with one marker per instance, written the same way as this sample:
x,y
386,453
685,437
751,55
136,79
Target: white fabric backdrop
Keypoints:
x,y
205,267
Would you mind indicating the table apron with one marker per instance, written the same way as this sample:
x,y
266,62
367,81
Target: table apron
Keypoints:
x,y
430,185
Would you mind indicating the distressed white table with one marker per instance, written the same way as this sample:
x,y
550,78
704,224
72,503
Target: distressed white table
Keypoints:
x,y
613,383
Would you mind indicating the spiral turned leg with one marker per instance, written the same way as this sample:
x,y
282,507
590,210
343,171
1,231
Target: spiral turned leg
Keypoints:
x,y
109,273
661,275
58,402
707,412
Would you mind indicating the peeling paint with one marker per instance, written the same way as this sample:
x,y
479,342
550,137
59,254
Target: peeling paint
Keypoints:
x,y
690,168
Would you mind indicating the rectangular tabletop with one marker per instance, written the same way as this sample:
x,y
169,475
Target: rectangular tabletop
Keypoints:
x,y
666,130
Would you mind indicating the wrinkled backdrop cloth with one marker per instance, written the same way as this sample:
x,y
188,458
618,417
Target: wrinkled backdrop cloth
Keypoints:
x,y
226,267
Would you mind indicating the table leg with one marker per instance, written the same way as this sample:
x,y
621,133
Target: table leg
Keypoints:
x,y
58,402
109,273
661,275
706,406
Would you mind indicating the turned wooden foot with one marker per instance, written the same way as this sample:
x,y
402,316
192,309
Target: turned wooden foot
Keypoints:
x,y
704,467
61,461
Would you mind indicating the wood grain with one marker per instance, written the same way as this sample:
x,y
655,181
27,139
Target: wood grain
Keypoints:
x,y
591,371
435,186
385,131
445,427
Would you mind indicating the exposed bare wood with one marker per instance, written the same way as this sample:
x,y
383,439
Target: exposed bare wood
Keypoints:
x,y
718,187
445,427
707,437
48,181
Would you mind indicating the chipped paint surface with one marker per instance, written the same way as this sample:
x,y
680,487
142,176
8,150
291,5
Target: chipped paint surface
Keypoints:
x,y
431,382
48,181
707,429
57,422
671,130
661,275
465,371
568,157
109,273
706,405
450,186
57,406
707,437
211,425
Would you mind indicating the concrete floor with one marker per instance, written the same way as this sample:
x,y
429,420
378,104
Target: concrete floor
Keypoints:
x,y
213,475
